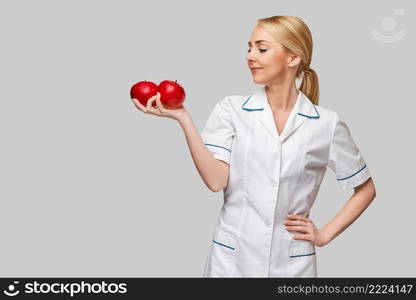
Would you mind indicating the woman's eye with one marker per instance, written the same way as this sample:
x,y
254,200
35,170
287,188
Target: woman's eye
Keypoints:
x,y
261,50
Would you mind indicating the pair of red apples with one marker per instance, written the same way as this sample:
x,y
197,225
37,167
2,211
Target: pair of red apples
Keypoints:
x,y
172,94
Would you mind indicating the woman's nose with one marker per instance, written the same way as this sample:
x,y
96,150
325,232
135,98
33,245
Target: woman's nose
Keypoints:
x,y
250,59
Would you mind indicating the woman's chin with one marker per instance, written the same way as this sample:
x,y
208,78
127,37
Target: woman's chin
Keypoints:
x,y
256,80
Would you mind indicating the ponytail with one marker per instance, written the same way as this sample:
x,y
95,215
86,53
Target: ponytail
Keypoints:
x,y
310,85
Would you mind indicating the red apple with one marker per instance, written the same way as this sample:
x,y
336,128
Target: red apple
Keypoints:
x,y
143,90
172,94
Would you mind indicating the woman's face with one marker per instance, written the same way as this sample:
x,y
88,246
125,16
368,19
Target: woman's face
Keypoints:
x,y
268,55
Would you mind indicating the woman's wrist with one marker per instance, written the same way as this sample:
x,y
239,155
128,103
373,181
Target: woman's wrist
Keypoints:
x,y
183,118
326,235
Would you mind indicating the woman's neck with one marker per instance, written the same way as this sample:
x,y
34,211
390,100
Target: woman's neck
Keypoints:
x,y
281,98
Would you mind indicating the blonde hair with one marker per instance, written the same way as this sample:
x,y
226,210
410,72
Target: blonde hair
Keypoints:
x,y
295,36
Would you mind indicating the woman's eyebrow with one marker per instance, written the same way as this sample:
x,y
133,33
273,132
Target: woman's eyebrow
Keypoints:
x,y
258,42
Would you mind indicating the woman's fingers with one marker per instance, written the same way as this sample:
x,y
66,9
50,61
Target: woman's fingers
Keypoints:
x,y
139,105
294,222
297,229
302,237
159,110
149,103
159,104
151,109
298,217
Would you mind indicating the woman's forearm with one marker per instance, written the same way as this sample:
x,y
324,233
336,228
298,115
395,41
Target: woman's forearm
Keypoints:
x,y
209,168
358,202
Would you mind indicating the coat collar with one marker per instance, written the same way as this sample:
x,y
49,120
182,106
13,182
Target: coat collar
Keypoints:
x,y
304,109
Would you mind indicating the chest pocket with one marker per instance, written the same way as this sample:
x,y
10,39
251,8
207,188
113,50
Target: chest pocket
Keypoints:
x,y
316,150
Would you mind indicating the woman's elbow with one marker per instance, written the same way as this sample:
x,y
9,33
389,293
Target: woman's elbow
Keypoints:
x,y
215,188
373,189
368,188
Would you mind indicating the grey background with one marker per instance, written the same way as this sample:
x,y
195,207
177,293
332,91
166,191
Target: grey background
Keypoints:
x,y
90,186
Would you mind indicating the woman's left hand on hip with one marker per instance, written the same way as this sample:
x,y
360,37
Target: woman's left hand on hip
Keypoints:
x,y
310,232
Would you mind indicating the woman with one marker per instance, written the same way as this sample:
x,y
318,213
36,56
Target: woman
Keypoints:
x,y
269,152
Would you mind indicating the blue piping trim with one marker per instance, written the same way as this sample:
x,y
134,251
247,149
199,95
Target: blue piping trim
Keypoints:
x,y
311,117
246,101
223,245
218,147
249,109
302,255
354,173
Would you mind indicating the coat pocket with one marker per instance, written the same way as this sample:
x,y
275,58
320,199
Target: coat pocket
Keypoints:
x,y
223,254
301,248
302,259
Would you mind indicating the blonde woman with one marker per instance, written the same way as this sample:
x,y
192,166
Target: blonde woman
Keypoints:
x,y
268,152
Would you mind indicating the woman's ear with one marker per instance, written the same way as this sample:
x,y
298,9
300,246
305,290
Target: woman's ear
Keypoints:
x,y
294,60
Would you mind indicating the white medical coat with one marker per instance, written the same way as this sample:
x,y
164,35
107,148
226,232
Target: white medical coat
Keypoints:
x,y
270,177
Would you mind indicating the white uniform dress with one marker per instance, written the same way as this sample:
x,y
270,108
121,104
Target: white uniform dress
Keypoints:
x,y
270,177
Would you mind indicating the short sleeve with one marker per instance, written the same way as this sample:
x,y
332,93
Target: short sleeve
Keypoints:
x,y
219,131
345,159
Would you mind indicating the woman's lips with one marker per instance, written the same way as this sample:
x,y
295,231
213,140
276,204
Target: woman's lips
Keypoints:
x,y
255,70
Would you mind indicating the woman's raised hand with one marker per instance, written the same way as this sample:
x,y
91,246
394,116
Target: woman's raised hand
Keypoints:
x,y
160,110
